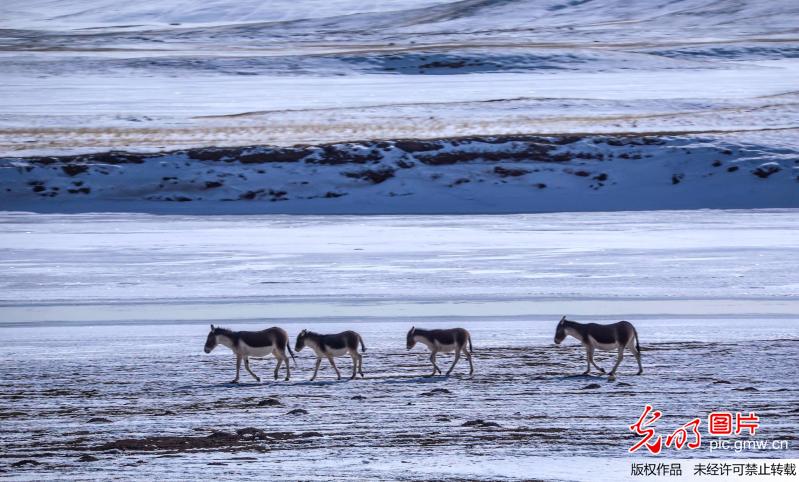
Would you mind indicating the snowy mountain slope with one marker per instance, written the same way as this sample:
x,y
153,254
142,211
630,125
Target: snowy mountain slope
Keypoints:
x,y
429,17
487,174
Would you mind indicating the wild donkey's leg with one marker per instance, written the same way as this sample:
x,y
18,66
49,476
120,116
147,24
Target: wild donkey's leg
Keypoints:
x,y
457,357
288,370
318,362
354,356
247,366
591,359
619,358
360,364
277,365
433,361
589,355
238,369
333,364
469,358
637,354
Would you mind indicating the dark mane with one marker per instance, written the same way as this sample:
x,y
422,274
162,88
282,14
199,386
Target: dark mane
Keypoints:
x,y
227,332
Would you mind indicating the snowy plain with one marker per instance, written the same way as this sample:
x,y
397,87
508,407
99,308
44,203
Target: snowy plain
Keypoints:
x,y
105,315
192,111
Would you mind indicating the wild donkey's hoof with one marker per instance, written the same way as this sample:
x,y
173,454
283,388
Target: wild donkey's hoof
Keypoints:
x,y
640,372
612,377
586,372
235,381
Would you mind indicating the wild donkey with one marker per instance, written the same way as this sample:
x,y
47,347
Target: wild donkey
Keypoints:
x,y
330,346
252,343
616,336
445,341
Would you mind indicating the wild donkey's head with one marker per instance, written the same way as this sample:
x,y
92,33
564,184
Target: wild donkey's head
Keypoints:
x,y
210,342
560,331
410,340
300,344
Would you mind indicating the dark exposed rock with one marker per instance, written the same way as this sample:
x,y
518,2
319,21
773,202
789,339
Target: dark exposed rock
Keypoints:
x,y
98,420
74,169
732,168
24,462
344,154
509,172
417,146
601,177
591,386
479,423
375,176
212,184
273,155
270,402
403,164
677,178
435,391
766,170
298,411
87,458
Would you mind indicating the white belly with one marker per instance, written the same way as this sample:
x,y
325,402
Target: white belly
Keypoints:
x,y
446,348
255,351
331,352
603,346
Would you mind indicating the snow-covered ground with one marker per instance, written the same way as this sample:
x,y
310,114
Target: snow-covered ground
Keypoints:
x,y
104,318
474,175
592,111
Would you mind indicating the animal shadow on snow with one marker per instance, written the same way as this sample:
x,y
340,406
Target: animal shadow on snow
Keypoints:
x,y
422,379
317,383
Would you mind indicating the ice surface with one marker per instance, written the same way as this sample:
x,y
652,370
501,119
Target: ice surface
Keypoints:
x,y
736,261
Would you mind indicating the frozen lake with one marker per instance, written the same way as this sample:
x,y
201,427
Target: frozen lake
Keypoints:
x,y
122,267
104,318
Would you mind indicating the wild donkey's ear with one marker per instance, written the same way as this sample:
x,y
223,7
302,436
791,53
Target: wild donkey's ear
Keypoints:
x,y
212,327
563,319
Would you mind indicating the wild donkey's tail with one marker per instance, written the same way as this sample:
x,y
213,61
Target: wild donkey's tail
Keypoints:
x,y
363,347
637,346
288,346
470,344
